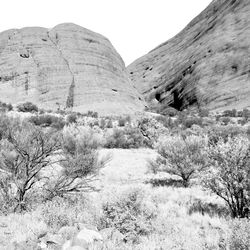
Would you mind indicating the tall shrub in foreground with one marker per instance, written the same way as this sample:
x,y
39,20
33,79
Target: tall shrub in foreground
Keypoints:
x,y
38,164
131,212
182,156
229,173
25,153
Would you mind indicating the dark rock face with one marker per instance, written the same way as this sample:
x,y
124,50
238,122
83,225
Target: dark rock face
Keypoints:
x,y
207,64
67,67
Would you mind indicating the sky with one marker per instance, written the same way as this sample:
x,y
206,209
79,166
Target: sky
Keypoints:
x,y
134,27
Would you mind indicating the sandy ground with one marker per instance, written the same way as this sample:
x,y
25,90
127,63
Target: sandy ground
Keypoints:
x,y
126,166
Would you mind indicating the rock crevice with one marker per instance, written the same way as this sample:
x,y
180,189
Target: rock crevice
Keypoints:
x,y
70,97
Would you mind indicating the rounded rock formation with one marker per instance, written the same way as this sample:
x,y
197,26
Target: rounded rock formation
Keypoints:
x,y
207,64
67,67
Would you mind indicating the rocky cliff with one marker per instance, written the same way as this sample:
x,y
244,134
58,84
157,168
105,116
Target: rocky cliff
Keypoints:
x,y
206,64
67,67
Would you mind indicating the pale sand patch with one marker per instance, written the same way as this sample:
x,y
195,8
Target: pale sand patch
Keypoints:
x,y
126,165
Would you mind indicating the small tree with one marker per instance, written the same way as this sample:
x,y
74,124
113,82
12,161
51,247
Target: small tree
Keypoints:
x,y
80,165
229,173
25,153
184,157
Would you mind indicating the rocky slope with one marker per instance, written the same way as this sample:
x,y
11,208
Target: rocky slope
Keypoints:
x,y
207,63
67,67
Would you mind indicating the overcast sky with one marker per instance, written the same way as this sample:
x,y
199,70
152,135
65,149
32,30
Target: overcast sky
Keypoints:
x,y
133,26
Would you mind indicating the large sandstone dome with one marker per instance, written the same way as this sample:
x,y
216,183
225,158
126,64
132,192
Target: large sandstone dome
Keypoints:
x,y
67,67
206,64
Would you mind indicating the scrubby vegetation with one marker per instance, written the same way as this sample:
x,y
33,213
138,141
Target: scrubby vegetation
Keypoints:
x,y
47,120
130,212
27,107
190,190
180,156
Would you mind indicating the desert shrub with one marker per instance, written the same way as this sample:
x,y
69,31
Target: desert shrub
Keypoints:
x,y
228,176
69,211
184,157
230,113
134,138
151,129
187,121
102,123
80,165
122,121
25,153
116,140
164,182
215,133
167,122
131,212
128,137
109,124
225,120
27,107
41,111
47,120
203,112
240,235
92,114
71,118
243,121
248,132
194,130
86,136
210,208
246,113
6,123
7,198
61,112
5,106
190,121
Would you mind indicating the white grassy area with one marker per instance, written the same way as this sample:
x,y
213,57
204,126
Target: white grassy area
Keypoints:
x,y
174,227
127,166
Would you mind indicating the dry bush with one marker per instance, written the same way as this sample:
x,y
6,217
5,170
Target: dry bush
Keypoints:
x,y
68,211
129,137
239,238
217,132
25,153
48,120
79,163
152,130
129,211
180,156
27,107
228,176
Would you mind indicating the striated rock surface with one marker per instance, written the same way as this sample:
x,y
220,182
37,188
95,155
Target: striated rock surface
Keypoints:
x,y
67,67
206,64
